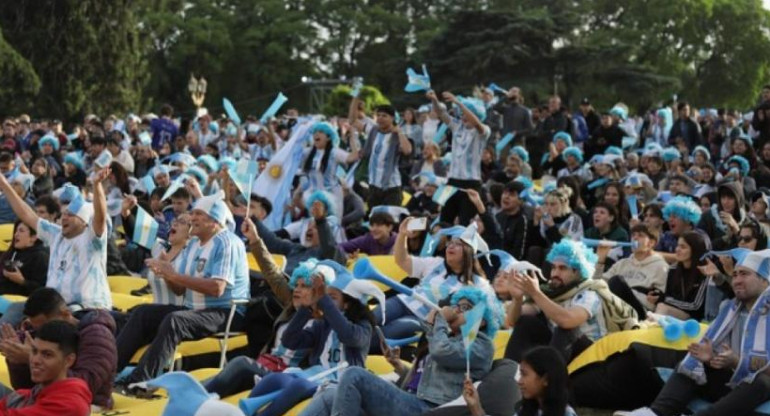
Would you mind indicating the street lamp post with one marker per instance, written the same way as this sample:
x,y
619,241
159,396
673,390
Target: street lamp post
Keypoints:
x,y
197,90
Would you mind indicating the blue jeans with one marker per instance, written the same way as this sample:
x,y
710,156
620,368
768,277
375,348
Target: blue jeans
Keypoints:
x,y
322,402
237,376
294,389
361,390
400,322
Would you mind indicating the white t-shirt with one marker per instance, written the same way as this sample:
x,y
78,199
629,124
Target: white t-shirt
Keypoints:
x,y
77,267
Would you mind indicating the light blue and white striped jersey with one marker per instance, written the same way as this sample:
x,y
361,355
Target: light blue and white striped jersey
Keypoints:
x,y
77,267
467,144
222,257
595,327
292,358
261,152
432,272
161,292
383,159
332,354
327,179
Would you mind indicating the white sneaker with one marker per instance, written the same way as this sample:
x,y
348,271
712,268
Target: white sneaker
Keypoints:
x,y
642,411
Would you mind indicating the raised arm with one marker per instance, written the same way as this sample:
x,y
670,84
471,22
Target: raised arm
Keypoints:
x,y
474,121
25,213
400,252
100,202
442,114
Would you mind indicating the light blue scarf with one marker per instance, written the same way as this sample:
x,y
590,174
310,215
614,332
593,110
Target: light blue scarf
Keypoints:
x,y
754,354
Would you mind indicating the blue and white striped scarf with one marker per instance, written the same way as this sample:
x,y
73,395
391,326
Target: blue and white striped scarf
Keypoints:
x,y
754,354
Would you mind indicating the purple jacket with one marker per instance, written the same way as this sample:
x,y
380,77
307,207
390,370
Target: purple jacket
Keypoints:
x,y
97,358
366,244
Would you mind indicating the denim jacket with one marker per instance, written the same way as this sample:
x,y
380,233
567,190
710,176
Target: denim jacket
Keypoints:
x,y
444,373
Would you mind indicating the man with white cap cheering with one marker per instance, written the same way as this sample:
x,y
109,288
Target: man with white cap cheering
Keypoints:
x,y
213,270
78,261
731,364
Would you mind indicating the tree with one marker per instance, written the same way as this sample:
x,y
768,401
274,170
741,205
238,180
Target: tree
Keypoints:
x,y
85,52
339,100
19,83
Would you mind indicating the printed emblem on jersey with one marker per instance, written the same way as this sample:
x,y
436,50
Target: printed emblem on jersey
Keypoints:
x,y
201,264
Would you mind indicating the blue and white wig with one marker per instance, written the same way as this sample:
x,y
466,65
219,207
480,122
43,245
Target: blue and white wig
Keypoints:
x,y
576,255
684,208
492,312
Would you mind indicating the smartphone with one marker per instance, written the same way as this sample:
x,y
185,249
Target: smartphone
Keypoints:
x,y
417,224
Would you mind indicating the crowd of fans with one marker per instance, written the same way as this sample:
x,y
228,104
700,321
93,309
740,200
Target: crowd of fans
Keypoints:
x,y
562,226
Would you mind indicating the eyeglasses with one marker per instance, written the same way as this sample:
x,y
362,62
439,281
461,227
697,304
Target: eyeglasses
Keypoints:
x,y
463,307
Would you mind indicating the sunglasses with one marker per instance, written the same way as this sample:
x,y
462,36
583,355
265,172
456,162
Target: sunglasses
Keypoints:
x,y
746,238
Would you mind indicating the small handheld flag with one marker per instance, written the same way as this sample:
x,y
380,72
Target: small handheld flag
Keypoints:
x,y
358,82
504,142
243,175
279,101
230,111
417,82
609,243
104,159
145,229
470,330
443,193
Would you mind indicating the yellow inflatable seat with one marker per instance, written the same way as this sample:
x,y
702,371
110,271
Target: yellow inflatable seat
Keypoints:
x,y
123,302
6,232
385,264
405,198
15,298
279,259
619,341
125,284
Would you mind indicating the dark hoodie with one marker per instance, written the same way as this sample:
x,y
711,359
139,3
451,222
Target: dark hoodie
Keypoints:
x,y
713,225
97,358
33,263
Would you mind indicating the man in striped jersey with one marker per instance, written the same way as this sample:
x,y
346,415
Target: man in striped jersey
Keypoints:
x,y
211,272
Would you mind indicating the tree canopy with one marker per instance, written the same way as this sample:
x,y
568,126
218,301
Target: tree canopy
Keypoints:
x,y
67,58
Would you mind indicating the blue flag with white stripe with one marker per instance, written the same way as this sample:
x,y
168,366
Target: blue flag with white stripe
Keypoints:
x,y
145,229
104,159
443,193
243,176
417,82
275,182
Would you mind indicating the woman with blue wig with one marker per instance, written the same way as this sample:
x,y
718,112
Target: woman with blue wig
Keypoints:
x,y
436,377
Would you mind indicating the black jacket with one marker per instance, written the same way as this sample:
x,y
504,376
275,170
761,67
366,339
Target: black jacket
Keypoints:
x,y
33,263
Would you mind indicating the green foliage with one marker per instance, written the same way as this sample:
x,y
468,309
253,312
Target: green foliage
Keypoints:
x,y
19,83
85,52
66,58
339,99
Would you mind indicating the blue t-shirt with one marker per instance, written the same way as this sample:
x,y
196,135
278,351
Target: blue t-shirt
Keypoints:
x,y
163,131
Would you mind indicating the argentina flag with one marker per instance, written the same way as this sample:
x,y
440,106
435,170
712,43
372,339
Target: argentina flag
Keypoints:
x,y
243,176
443,193
145,229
